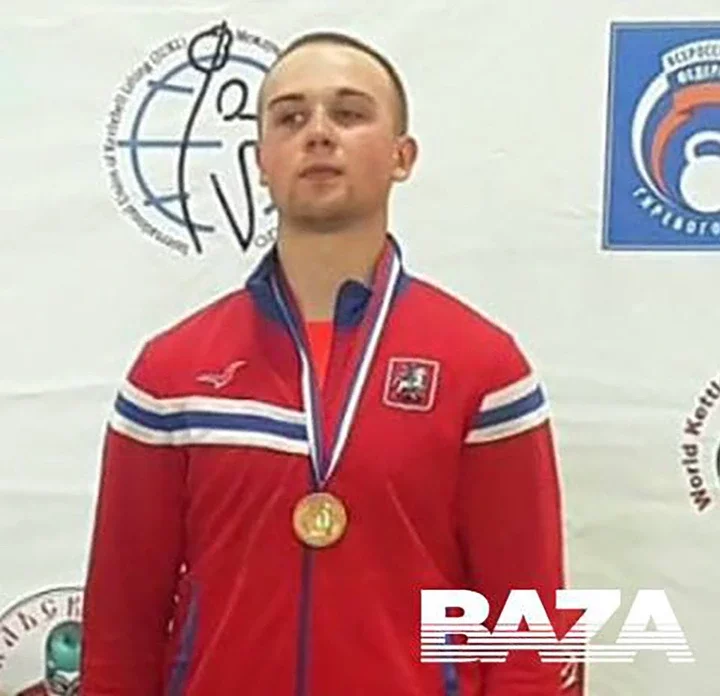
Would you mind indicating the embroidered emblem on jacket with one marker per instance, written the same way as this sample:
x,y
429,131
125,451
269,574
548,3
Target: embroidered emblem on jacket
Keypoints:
x,y
411,383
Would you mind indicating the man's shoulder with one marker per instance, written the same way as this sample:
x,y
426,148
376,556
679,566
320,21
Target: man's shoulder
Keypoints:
x,y
445,312
485,354
196,325
198,335
490,369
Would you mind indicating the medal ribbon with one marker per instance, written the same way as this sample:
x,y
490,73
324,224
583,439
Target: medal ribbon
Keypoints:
x,y
311,399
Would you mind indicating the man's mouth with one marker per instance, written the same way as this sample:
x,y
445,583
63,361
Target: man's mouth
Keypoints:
x,y
320,171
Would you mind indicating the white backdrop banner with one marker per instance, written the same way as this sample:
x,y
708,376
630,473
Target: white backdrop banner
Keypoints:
x,y
568,187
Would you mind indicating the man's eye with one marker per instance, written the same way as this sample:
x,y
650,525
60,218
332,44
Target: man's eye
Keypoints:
x,y
348,114
290,118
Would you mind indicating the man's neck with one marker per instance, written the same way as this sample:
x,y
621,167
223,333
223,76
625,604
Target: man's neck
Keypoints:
x,y
317,263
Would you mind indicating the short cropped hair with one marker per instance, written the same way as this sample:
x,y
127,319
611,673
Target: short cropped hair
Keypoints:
x,y
340,39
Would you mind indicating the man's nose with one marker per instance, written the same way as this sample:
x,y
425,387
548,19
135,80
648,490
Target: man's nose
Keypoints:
x,y
320,130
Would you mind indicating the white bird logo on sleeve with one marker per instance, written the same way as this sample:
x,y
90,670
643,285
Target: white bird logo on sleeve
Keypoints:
x,y
221,379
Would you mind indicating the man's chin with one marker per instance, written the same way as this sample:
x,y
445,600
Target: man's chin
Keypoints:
x,y
326,219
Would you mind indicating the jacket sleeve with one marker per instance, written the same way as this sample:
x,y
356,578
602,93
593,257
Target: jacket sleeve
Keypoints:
x,y
510,514
137,544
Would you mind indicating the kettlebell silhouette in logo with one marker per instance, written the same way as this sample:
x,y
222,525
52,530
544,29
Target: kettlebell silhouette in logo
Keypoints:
x,y
700,178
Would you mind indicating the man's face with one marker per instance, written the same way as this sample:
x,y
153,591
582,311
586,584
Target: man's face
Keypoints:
x,y
330,149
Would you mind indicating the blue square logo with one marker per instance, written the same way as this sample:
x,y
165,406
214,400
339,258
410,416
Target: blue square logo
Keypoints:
x,y
662,178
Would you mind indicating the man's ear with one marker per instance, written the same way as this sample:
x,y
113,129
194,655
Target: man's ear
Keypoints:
x,y
259,162
405,156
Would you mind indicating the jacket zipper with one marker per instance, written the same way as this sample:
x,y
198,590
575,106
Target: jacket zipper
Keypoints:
x,y
303,648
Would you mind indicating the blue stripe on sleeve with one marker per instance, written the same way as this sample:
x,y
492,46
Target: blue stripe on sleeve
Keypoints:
x,y
512,411
205,419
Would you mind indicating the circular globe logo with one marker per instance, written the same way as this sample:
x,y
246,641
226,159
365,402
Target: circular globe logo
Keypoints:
x,y
180,142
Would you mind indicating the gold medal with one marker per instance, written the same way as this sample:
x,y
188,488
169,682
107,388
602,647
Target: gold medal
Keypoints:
x,y
319,519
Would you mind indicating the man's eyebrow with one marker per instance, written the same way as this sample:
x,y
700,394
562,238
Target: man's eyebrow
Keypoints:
x,y
351,92
293,96
298,97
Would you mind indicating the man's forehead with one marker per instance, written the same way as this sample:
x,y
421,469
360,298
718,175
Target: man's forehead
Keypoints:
x,y
325,67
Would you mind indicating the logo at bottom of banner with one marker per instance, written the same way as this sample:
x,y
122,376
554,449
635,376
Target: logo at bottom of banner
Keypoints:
x,y
40,639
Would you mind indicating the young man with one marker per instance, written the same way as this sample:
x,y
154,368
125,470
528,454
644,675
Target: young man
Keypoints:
x,y
287,469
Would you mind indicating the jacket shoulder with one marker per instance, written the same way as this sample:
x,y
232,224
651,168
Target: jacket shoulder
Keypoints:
x,y
173,350
452,315
197,324
485,354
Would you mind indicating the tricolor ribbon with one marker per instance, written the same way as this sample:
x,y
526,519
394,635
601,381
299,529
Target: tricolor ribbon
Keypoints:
x,y
379,311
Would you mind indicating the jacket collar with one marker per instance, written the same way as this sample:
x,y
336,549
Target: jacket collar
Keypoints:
x,y
353,298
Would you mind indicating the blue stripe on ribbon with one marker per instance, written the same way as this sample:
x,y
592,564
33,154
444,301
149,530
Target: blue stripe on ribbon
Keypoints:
x,y
208,420
512,411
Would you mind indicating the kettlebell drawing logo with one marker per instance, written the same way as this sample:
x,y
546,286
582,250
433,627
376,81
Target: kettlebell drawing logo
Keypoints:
x,y
700,179
662,182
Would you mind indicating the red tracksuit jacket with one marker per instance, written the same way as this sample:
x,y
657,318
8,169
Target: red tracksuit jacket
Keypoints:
x,y
197,583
